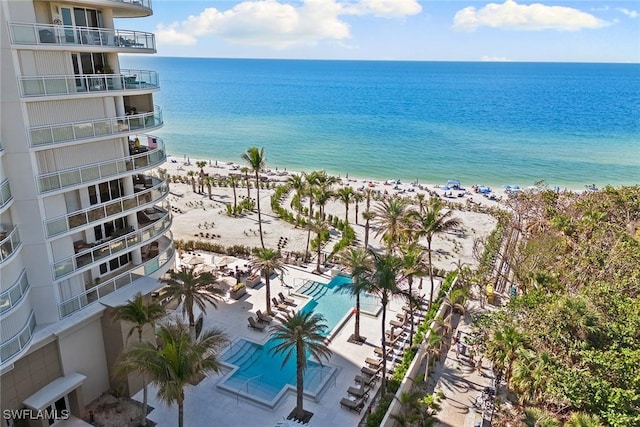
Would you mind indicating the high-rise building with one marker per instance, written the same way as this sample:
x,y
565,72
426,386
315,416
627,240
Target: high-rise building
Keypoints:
x,y
84,224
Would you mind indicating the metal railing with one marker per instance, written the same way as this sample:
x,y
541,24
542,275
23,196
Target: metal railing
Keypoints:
x,y
25,33
9,244
66,132
19,341
73,84
98,171
106,250
5,193
95,213
78,302
12,296
143,3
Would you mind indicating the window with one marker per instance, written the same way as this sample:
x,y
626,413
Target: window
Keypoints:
x,y
115,263
105,191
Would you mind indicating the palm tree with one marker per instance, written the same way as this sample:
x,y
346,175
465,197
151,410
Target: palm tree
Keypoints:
x,y
301,333
179,361
269,261
390,219
297,184
318,226
233,182
578,419
420,197
432,222
208,181
201,164
413,264
192,289
191,175
502,348
310,185
140,314
245,171
256,160
358,261
383,283
322,195
434,347
358,197
367,215
345,195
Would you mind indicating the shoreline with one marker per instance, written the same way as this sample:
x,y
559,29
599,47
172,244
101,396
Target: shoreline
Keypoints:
x,y
497,188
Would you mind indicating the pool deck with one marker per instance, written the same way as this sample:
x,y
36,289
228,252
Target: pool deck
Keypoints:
x,y
205,404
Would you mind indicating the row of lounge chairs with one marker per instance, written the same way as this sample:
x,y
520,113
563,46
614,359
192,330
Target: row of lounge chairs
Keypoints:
x,y
263,320
357,396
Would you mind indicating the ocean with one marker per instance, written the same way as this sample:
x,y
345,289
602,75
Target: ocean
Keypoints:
x,y
568,124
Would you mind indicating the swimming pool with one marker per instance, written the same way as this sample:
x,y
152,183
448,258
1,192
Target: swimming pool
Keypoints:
x,y
258,374
334,305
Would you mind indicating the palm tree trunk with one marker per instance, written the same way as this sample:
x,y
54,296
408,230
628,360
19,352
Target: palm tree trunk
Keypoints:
x,y
268,286
357,331
306,251
145,392
300,354
181,410
366,234
346,213
319,251
357,206
430,273
259,217
410,280
235,203
383,384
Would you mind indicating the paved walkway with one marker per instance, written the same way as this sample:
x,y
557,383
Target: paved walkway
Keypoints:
x,y
460,381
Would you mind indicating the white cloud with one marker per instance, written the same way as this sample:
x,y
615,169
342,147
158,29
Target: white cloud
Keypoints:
x,y
630,13
534,17
487,58
170,35
280,25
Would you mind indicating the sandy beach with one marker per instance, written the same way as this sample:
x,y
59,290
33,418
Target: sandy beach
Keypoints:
x,y
197,217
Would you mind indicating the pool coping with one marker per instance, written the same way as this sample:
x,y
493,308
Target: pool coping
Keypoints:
x,y
273,403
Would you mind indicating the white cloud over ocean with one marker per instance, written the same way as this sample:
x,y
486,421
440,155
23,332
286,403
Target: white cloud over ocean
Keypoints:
x,y
532,17
277,24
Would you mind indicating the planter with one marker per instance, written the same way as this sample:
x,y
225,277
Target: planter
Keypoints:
x,y
253,281
238,293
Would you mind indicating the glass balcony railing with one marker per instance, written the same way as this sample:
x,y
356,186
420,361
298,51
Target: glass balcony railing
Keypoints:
x,y
76,131
143,3
46,34
73,84
9,243
99,171
12,296
98,213
13,346
78,302
104,251
5,193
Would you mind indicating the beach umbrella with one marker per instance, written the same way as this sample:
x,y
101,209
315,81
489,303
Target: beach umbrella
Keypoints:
x,y
223,260
195,260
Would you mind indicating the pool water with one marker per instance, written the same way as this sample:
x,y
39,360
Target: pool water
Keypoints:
x,y
332,303
261,376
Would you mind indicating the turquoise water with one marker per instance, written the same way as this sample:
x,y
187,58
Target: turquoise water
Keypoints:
x,y
261,374
492,123
333,304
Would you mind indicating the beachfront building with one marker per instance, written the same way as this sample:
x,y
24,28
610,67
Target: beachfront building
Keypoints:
x,y
84,224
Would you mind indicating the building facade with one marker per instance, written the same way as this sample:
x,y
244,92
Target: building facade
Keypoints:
x,y
84,224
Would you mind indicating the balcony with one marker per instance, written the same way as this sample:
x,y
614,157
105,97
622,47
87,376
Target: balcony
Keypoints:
x,y
43,136
14,345
98,213
9,242
163,258
63,36
12,296
112,246
5,194
131,8
100,171
88,84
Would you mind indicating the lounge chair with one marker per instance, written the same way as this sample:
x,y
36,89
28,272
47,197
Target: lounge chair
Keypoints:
x,y
256,325
264,318
285,300
397,324
368,372
361,392
374,363
364,381
280,306
353,405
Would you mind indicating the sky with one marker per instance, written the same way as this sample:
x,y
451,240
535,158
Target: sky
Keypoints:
x,y
446,30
